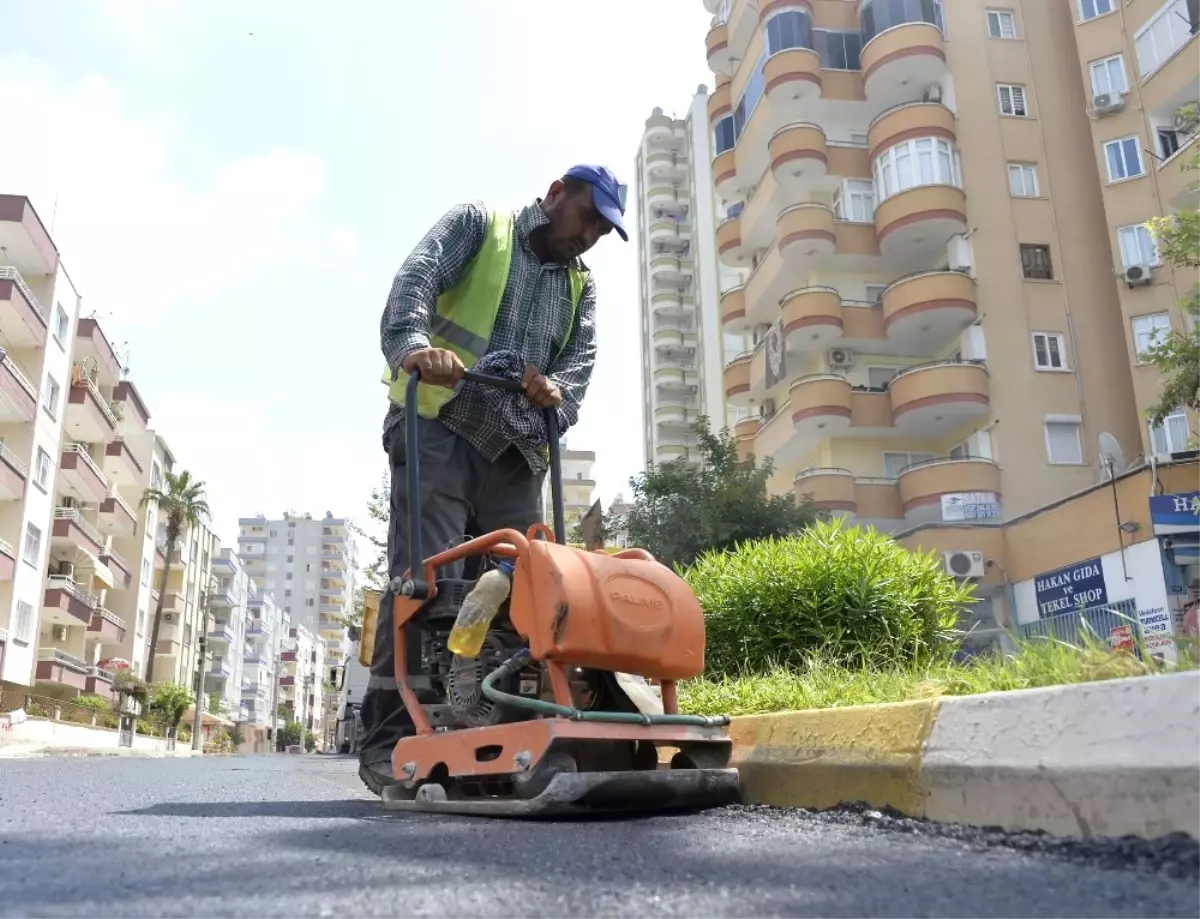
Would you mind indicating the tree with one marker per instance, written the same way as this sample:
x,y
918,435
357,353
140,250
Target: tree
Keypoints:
x,y
681,511
1178,355
182,501
170,700
378,510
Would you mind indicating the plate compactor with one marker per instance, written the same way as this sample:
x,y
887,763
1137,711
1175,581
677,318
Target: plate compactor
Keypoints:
x,y
554,715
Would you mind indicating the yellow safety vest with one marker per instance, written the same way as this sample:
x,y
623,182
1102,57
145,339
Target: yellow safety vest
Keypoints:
x,y
466,313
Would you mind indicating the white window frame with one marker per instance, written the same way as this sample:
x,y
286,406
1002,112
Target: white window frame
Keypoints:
x,y
1013,90
998,16
1148,327
909,458
910,154
41,468
852,195
23,624
1163,432
1174,15
1060,341
62,324
1073,422
1119,144
50,394
1027,173
1147,247
1084,17
1103,66
32,541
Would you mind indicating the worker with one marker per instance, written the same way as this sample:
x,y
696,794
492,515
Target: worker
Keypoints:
x,y
483,288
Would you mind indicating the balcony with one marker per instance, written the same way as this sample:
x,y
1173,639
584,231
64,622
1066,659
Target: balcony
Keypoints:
x,y
287,657
22,316
720,104
18,396
926,310
89,419
24,239
107,626
720,55
8,560
71,531
13,475
99,682
802,157
55,666
910,120
821,403
923,484
669,378
121,466
92,345
664,165
660,132
255,628
805,232
117,517
220,633
672,415
737,379
125,394
733,310
812,318
933,399
223,597
830,489
122,573
67,603
82,477
219,668
254,659
336,558
289,680
898,57
792,81
915,225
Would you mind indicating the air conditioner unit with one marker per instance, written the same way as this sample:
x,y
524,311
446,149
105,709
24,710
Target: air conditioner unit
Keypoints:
x,y
1137,274
841,358
60,633
170,617
963,564
1108,103
1186,121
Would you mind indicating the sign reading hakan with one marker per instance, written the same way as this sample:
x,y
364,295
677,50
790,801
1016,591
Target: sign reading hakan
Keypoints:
x,y
1070,587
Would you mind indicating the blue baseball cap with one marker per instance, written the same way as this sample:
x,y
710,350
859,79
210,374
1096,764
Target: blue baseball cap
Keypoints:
x,y
607,194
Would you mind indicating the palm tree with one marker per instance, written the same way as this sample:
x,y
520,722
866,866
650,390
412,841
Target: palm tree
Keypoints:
x,y
182,500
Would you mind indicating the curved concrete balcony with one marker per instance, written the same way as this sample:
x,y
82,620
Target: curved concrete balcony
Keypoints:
x,y
666,199
933,399
821,403
907,122
899,60
733,309
791,79
916,224
667,340
660,132
805,232
720,104
830,489
798,153
720,55
930,307
668,377
666,271
668,304
812,318
923,484
664,233
737,379
730,248
671,415
725,177
666,166
743,435
666,453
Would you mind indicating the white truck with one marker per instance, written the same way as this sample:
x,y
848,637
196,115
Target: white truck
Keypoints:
x,y
353,687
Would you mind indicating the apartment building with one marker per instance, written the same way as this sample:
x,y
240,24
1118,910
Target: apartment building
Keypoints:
x,y
579,482
308,565
679,282
188,593
75,450
1140,72
915,197
301,677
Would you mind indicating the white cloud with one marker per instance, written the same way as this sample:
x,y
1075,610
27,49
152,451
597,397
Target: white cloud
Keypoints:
x,y
135,238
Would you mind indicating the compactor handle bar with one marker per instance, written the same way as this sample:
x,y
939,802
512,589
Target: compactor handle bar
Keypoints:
x,y
412,450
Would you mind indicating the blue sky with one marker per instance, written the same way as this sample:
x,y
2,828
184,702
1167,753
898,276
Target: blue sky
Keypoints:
x,y
233,186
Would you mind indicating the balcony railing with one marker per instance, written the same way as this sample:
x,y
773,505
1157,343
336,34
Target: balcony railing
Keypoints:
x,y
13,460
100,673
123,503
62,657
78,591
116,557
101,402
72,514
9,273
82,452
110,616
19,376
7,548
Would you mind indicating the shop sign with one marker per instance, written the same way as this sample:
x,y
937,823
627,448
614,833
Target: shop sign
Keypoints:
x,y
1070,587
970,505
1175,513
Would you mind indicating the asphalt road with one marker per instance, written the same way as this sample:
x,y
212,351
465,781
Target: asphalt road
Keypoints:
x,y
297,836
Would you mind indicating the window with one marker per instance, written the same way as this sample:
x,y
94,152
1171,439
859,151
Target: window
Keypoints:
x,y
1090,9
1124,159
23,627
924,161
854,200
1063,446
838,50
1168,142
789,29
1012,100
1149,331
1049,351
1137,246
1171,436
880,15
61,324
875,293
958,451
895,463
1035,263
1001,24
141,622
145,572
50,396
879,377
1108,75
41,469
308,602
32,550
1022,180
1166,32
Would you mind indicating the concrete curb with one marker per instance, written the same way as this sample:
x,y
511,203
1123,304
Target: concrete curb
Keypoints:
x,y
31,751
1111,758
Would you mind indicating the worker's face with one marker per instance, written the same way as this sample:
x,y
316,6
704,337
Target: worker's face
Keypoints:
x,y
575,224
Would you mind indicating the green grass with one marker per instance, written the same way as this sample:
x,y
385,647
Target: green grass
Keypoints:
x,y
824,684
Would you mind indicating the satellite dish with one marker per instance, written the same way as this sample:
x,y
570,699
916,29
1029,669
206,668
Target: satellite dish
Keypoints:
x,y
1112,457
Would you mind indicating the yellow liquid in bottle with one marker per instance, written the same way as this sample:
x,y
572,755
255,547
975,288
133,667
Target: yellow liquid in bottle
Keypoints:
x,y
466,641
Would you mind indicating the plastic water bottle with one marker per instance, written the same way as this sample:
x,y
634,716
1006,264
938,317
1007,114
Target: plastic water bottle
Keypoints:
x,y
478,610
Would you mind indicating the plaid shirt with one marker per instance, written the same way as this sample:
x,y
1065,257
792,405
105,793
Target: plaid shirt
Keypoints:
x,y
534,315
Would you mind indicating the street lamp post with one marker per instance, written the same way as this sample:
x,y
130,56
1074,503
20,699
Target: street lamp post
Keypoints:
x,y
199,691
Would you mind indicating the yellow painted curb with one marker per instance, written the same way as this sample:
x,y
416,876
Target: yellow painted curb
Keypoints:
x,y
825,757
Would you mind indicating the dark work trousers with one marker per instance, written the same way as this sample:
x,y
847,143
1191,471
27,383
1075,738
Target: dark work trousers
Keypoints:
x,y
461,493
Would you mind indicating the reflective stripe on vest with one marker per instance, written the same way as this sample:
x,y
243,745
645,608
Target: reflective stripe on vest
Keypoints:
x,y
466,313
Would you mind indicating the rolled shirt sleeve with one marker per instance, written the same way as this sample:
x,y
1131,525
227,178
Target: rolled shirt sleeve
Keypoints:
x,y
572,371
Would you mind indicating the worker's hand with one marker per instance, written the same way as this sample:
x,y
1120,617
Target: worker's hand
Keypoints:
x,y
538,389
437,365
